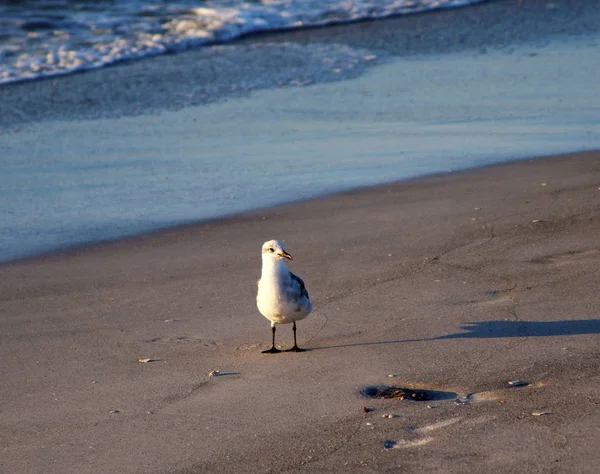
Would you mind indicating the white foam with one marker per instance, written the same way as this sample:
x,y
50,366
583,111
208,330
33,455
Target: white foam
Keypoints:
x,y
57,37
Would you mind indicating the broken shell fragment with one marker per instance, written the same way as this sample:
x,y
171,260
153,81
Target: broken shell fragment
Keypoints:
x,y
145,361
214,373
540,413
517,383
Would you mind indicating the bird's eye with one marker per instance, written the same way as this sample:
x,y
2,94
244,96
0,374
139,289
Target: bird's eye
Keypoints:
x,y
271,249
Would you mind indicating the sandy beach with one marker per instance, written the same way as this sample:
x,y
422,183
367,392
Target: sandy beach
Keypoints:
x,y
453,285
458,283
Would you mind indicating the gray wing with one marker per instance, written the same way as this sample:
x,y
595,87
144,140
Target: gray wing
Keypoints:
x,y
297,295
299,282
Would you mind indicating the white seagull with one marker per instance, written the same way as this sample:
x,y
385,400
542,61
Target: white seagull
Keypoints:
x,y
282,297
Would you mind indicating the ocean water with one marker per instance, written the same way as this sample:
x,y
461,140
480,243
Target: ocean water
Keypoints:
x,y
40,38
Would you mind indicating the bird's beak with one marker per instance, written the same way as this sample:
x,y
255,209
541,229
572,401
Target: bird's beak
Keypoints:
x,y
284,254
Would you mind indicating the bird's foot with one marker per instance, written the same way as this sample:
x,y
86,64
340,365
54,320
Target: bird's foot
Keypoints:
x,y
272,350
295,349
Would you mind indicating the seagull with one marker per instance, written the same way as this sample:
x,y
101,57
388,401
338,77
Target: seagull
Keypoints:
x,y
282,297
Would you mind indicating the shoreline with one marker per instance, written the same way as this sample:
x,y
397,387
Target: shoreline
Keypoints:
x,y
71,182
251,214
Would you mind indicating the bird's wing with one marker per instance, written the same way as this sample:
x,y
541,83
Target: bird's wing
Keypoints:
x,y
298,287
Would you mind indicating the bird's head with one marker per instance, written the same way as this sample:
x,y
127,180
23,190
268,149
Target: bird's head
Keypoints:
x,y
274,249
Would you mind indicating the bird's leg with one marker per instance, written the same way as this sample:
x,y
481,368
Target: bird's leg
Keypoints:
x,y
295,348
273,349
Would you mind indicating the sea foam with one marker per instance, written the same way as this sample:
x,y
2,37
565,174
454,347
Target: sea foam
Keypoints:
x,y
41,38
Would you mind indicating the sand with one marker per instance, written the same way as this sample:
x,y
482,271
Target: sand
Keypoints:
x,y
457,283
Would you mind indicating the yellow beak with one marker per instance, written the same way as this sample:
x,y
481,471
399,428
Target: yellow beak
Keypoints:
x,y
284,254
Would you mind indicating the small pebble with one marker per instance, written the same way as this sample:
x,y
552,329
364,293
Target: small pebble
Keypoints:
x,y
115,411
540,413
214,373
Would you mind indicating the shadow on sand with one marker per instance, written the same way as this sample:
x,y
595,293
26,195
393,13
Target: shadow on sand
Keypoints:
x,y
494,329
490,329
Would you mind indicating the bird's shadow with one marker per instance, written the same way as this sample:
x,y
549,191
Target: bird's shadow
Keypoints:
x,y
498,329
493,329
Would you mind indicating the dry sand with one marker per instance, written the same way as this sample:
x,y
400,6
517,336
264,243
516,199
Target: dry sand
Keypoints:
x,y
458,283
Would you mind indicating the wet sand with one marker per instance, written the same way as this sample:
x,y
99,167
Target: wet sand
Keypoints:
x,y
458,283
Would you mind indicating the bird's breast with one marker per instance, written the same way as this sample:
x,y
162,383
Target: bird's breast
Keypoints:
x,y
273,303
